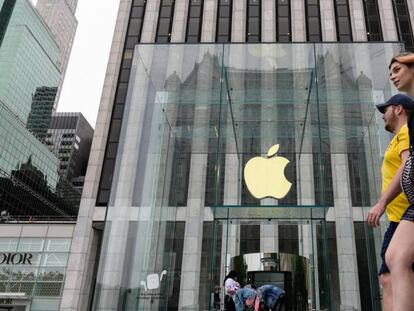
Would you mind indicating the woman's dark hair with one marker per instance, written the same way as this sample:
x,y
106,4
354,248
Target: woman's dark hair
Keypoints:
x,y
410,124
232,274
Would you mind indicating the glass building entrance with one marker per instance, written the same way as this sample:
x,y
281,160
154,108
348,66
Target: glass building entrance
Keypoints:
x,y
188,203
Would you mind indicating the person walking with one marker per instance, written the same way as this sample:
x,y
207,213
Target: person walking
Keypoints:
x,y
392,201
231,286
400,254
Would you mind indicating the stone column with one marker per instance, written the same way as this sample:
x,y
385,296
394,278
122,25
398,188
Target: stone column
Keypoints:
x,y
410,5
268,21
298,20
208,30
389,28
238,29
194,214
76,291
356,9
178,32
149,27
343,211
328,20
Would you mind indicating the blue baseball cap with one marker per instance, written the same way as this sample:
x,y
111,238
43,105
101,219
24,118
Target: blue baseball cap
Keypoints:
x,y
399,99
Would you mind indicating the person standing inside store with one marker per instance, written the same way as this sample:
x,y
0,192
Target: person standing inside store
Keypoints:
x,y
400,254
230,286
392,201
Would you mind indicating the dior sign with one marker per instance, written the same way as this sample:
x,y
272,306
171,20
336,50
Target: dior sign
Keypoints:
x,y
15,258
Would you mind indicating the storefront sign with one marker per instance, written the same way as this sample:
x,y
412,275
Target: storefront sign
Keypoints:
x,y
6,301
15,258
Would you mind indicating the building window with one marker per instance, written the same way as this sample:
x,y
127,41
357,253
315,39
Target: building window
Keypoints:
x,y
372,20
254,29
5,14
313,21
402,20
165,21
194,21
224,11
283,25
134,31
343,21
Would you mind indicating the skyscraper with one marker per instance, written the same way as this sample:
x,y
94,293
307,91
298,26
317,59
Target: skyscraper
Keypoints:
x,y
38,207
59,15
69,136
193,91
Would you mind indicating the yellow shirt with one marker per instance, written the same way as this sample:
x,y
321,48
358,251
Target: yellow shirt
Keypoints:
x,y
390,165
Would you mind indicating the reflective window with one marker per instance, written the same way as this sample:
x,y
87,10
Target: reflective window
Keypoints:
x,y
343,21
165,21
283,24
313,21
133,37
403,23
194,21
254,9
223,31
42,273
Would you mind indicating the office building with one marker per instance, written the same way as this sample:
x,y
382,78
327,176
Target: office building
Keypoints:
x,y
38,207
59,15
70,136
193,91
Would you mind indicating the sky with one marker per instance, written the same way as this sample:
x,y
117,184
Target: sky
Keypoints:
x,y
82,87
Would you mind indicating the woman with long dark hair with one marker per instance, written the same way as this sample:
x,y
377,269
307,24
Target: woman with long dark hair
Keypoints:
x,y
400,253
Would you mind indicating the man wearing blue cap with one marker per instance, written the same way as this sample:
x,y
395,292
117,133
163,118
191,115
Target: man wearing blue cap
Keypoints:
x,y
392,200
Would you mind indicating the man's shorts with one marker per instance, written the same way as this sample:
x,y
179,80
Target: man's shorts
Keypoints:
x,y
387,239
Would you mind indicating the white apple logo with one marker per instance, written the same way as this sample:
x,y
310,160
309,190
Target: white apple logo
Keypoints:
x,y
265,177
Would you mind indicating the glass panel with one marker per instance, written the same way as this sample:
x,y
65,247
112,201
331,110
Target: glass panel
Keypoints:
x,y
57,259
208,132
31,244
8,244
58,245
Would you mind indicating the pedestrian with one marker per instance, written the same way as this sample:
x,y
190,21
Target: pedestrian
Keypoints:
x,y
400,254
230,286
392,201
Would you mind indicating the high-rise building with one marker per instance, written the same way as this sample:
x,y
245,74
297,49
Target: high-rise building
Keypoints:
x,y
70,137
193,91
59,15
38,207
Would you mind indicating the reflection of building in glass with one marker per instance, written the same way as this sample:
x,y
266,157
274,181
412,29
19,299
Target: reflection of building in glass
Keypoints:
x,y
41,111
69,137
29,43
178,123
30,183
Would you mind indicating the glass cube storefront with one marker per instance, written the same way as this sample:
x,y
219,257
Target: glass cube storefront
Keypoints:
x,y
181,215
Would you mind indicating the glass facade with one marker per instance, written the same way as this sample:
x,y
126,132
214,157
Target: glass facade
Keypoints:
x,y
180,212
30,185
35,268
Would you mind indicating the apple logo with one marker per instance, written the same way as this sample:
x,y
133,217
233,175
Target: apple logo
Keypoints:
x,y
265,177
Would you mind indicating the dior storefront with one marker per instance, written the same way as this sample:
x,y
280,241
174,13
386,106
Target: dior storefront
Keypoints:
x,y
33,260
